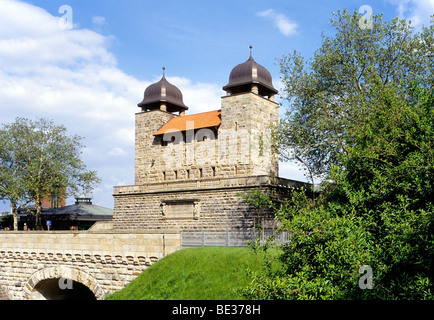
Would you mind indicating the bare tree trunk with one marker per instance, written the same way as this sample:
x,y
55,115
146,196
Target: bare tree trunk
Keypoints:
x,y
15,214
38,206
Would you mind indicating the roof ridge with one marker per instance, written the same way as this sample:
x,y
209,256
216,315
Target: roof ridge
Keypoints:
x,y
193,114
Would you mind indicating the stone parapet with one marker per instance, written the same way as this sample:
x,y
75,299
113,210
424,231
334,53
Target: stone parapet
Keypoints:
x,y
211,183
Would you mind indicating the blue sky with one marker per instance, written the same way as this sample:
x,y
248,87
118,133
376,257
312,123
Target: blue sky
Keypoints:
x,y
91,76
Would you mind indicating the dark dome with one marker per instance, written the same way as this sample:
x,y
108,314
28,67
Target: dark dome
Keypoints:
x,y
163,92
247,73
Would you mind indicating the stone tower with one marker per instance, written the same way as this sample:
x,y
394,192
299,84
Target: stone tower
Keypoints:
x,y
160,103
250,113
191,170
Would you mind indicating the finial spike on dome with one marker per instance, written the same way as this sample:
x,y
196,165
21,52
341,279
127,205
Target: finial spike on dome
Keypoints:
x,y
250,73
164,68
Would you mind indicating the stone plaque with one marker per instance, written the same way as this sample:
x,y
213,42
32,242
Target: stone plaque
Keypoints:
x,y
180,209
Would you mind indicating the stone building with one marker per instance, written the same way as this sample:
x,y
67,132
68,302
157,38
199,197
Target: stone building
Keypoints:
x,y
81,215
191,170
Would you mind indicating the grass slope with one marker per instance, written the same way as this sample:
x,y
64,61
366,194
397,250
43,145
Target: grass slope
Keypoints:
x,y
206,273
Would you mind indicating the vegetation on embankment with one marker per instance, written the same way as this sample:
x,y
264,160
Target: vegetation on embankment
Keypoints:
x,y
204,273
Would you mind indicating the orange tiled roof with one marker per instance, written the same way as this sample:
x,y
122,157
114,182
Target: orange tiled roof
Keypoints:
x,y
200,120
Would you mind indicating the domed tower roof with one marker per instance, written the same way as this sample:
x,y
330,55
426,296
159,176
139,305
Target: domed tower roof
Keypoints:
x,y
163,93
250,72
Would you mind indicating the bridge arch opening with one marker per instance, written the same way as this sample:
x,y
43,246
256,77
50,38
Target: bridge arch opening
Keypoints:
x,y
62,283
61,289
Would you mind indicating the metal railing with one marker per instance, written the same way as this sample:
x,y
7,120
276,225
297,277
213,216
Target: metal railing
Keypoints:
x,y
229,238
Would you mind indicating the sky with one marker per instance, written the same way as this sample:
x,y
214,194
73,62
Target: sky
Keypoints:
x,y
85,64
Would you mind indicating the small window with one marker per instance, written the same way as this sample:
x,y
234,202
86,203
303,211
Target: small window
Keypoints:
x,y
164,175
213,171
188,173
176,174
200,173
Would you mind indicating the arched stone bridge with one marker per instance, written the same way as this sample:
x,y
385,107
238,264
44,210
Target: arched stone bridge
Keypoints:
x,y
76,264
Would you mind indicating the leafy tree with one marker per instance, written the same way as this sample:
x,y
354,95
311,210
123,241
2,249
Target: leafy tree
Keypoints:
x,y
329,95
379,211
11,186
41,159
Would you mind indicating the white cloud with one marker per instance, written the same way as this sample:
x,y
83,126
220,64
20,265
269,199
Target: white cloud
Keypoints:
x,y
24,20
198,97
117,152
283,23
418,11
71,77
98,20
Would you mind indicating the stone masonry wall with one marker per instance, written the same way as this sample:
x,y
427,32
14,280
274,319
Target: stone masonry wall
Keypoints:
x,y
195,183
103,261
257,115
211,204
213,209
240,146
148,154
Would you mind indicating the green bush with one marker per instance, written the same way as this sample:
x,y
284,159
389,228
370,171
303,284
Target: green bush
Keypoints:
x,y
378,212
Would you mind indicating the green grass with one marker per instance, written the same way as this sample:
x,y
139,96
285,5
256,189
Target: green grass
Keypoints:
x,y
205,273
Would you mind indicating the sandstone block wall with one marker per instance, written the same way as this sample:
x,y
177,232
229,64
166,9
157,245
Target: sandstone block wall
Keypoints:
x,y
195,183
148,155
210,204
257,115
239,147
103,261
